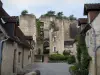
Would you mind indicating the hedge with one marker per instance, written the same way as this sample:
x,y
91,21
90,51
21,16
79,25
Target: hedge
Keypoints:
x,y
58,57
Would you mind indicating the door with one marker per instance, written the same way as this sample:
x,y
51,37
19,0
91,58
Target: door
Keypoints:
x,y
23,58
14,62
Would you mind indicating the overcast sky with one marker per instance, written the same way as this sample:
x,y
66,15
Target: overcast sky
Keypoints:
x,y
38,7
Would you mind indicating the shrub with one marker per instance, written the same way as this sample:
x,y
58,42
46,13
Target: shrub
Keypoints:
x,y
73,68
66,52
24,12
71,59
66,57
57,57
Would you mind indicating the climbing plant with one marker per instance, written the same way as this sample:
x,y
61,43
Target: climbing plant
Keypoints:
x,y
83,57
39,35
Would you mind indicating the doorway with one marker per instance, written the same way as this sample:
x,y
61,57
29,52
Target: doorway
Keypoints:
x,y
14,62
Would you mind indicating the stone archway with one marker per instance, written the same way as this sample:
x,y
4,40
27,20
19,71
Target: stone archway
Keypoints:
x,y
46,47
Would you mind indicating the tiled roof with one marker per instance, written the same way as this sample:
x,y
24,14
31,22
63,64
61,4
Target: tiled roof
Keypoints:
x,y
82,21
12,31
21,37
90,7
11,19
3,12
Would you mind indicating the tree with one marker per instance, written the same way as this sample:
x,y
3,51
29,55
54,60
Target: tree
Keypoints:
x,y
50,13
24,12
65,17
60,15
71,17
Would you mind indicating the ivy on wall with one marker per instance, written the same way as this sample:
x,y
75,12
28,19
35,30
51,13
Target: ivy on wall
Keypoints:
x,y
83,58
39,36
82,53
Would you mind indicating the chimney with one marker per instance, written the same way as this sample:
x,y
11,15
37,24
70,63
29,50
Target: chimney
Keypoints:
x,y
92,15
91,10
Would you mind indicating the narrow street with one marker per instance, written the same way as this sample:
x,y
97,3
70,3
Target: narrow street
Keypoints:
x,y
50,68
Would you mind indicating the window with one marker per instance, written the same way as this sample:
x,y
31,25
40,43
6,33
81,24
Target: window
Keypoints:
x,y
14,62
54,49
19,55
54,39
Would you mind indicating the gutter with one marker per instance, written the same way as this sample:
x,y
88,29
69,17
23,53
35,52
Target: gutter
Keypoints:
x,y
1,48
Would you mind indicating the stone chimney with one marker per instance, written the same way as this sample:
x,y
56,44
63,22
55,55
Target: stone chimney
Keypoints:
x,y
91,10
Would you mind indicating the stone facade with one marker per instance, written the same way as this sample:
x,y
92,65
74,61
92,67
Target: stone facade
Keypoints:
x,y
90,44
14,58
7,59
28,27
56,38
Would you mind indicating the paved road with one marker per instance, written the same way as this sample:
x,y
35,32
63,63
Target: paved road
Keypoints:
x,y
50,68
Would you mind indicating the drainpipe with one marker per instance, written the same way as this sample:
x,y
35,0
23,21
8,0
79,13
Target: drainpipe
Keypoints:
x,y
95,49
1,47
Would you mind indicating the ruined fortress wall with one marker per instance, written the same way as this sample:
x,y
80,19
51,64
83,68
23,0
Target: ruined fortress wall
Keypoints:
x,y
28,25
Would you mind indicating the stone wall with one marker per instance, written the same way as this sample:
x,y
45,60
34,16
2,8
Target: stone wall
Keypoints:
x,y
57,38
7,59
14,58
63,34
90,45
96,25
28,25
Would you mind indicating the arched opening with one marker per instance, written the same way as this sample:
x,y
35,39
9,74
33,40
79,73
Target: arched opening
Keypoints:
x,y
46,49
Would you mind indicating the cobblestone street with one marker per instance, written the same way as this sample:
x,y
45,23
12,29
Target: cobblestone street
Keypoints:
x,y
50,68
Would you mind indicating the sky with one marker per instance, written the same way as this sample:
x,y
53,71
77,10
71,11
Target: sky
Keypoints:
x,y
39,7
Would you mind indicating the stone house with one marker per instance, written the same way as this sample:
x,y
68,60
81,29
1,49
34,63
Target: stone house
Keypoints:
x,y
92,36
15,51
93,13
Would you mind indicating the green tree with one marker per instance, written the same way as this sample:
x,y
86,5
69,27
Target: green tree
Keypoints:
x,y
60,15
65,17
24,12
71,17
50,13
